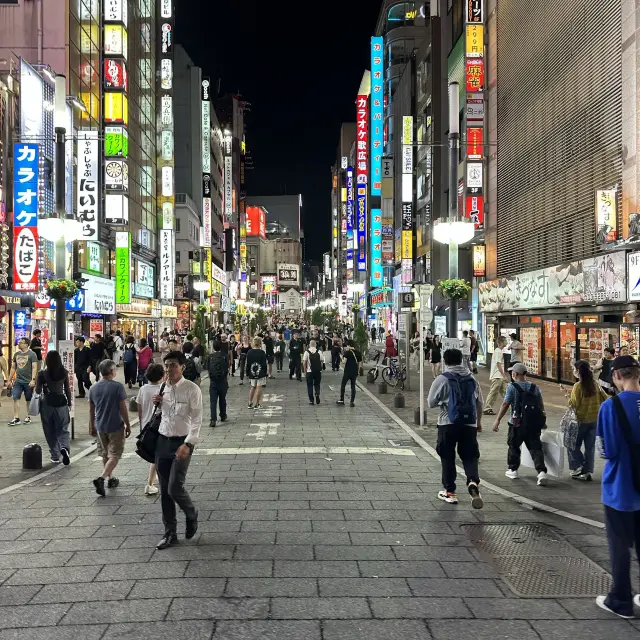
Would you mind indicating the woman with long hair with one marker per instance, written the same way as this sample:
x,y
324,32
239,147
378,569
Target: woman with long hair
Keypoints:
x,y
53,384
130,359
436,356
586,398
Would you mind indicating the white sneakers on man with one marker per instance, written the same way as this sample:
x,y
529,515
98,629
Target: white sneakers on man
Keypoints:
x,y
151,490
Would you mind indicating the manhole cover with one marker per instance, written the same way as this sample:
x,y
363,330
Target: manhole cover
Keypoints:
x,y
535,561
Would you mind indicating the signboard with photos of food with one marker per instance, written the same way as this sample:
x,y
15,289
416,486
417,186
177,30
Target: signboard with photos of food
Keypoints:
x,y
599,280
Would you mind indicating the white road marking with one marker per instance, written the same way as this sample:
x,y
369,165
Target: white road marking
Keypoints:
x,y
492,487
271,411
264,429
292,450
273,397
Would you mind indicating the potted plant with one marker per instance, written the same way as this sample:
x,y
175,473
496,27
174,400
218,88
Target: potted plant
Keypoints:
x,y
454,289
361,340
61,289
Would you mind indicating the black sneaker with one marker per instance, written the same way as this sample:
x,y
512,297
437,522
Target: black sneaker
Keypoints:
x,y
476,499
14,422
223,418
212,424
167,541
339,401
27,420
66,458
98,483
192,527
352,404
113,483
312,403
317,399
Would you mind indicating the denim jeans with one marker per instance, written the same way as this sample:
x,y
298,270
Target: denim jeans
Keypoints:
x,y
586,436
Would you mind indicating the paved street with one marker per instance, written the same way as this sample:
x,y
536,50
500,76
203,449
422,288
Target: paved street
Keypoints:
x,y
313,525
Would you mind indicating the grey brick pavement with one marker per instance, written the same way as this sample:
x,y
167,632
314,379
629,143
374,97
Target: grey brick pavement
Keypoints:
x,y
304,546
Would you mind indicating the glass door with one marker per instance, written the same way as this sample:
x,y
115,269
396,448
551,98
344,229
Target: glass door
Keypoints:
x,y
567,353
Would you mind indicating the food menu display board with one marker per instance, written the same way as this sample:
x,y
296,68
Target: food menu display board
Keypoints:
x,y
550,349
567,350
597,342
630,337
531,339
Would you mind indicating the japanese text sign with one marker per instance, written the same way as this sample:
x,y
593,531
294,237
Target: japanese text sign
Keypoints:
x,y
123,267
362,169
88,197
376,248
25,185
377,113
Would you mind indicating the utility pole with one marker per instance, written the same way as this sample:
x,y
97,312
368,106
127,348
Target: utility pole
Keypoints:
x,y
454,146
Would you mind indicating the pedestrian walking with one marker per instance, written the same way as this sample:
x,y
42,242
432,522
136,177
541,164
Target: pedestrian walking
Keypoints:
x,y
256,370
98,354
22,379
373,334
119,345
312,367
192,369
109,421
82,366
243,349
233,353
435,355
146,407
528,419
218,383
586,397
475,347
295,357
459,397
351,364
618,435
280,347
36,345
269,350
55,401
336,352
179,432
4,372
498,377
163,344
517,350
603,368
145,358
390,349
130,359
465,347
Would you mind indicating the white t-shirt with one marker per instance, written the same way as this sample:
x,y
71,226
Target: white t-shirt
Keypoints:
x,y
517,349
465,344
496,358
145,401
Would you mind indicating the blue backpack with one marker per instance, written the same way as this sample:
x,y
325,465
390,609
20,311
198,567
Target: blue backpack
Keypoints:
x,y
461,406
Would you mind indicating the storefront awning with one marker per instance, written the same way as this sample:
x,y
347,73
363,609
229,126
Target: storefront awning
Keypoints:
x,y
137,316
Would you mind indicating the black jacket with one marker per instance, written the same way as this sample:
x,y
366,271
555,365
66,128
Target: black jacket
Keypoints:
x,y
82,359
295,349
256,364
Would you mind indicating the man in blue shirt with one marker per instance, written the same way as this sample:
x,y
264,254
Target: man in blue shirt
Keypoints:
x,y
518,433
620,497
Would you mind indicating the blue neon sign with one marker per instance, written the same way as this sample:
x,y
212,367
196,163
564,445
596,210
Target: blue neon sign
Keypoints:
x,y
25,185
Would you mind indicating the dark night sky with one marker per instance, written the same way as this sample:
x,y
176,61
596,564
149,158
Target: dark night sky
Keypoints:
x,y
300,66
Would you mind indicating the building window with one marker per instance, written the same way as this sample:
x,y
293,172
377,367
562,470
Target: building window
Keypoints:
x,y
177,225
177,257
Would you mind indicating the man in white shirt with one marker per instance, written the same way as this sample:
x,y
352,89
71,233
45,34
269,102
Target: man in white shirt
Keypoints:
x,y
179,432
119,344
465,347
498,377
517,350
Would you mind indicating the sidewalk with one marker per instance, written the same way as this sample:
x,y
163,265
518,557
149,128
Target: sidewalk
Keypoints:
x,y
14,439
564,493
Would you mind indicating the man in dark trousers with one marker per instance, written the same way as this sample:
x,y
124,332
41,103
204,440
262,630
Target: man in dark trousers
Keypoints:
x,y
82,365
351,363
295,357
218,383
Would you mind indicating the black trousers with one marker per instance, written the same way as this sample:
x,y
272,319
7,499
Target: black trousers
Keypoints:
x,y
518,436
172,474
241,365
218,393
623,533
465,439
313,384
346,378
295,368
279,360
84,380
335,359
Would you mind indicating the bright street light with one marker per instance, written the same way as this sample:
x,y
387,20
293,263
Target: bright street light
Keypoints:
x,y
201,285
447,229
54,229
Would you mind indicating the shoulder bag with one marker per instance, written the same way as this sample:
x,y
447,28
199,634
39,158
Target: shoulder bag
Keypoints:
x,y
148,438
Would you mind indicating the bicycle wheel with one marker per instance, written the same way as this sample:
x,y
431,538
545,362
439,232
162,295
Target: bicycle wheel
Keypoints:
x,y
388,377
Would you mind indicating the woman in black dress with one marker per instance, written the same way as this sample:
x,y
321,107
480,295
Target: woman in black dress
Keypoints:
x,y
436,356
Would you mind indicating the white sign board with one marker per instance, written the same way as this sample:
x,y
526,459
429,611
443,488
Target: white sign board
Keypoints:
x,y
88,180
66,350
100,295
228,188
450,343
167,263
633,278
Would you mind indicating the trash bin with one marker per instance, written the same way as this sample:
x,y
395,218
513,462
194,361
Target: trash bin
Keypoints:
x,y
32,457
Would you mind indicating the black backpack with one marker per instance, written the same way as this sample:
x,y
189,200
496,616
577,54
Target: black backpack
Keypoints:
x,y
315,361
634,447
217,370
190,370
528,408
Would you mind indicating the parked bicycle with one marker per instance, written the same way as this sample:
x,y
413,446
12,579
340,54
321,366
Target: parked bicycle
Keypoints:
x,y
393,375
374,356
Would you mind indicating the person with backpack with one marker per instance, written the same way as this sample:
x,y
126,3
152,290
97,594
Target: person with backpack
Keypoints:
x,y
218,383
191,372
459,397
130,359
585,398
618,443
312,367
110,345
351,365
528,419
256,369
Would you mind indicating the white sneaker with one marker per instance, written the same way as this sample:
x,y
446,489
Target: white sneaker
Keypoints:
x,y
574,473
510,473
151,490
542,479
636,600
600,601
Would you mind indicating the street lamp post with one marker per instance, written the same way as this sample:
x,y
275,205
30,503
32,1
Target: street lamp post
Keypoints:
x,y
454,146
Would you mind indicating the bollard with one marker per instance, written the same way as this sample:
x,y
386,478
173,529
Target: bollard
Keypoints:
x,y
370,377
32,457
398,401
416,417
382,388
133,406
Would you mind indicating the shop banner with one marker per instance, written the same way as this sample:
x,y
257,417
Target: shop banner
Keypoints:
x,y
599,280
66,350
123,269
377,279
100,295
88,200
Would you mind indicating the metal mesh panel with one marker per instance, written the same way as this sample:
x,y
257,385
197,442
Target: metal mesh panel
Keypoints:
x,y
559,127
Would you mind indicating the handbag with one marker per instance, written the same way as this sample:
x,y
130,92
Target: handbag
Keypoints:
x,y
147,439
34,404
569,427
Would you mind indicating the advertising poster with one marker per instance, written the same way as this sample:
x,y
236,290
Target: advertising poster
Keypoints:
x,y
66,350
531,338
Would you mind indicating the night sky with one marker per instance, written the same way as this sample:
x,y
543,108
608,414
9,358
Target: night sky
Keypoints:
x,y
300,66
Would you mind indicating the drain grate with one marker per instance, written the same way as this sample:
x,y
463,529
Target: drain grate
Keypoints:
x,y
535,561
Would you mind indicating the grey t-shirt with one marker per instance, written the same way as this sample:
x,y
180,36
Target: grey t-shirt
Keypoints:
x,y
23,361
106,395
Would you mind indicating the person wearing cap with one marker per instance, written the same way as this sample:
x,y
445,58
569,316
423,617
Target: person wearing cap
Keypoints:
x,y
179,432
619,427
529,434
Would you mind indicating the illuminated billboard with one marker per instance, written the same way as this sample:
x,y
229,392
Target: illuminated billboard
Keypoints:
x,y
256,222
362,170
377,114
377,279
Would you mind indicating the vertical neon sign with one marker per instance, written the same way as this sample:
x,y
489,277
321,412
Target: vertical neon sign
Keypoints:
x,y
377,114
362,170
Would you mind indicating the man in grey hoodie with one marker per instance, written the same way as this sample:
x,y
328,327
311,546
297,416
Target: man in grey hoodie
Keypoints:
x,y
458,425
